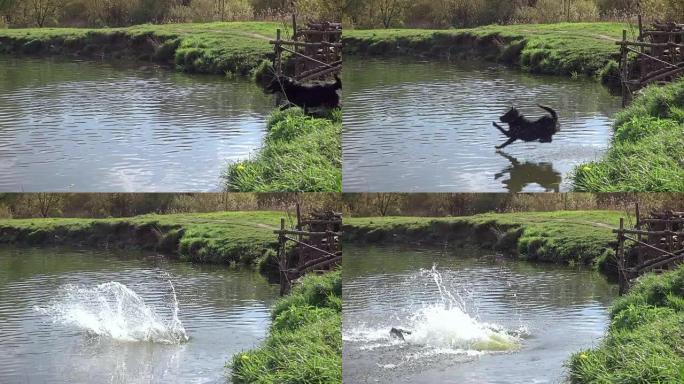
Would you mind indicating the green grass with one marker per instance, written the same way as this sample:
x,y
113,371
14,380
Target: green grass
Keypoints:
x,y
304,344
217,48
570,237
222,237
645,341
561,49
300,153
647,150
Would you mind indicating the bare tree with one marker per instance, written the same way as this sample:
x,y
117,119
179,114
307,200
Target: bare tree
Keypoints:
x,y
222,9
44,10
47,202
390,10
384,201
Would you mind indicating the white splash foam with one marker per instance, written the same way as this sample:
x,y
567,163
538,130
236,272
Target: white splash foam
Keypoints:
x,y
452,329
113,310
444,328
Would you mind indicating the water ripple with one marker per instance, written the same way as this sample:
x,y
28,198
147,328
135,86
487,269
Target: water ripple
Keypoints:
x,y
86,126
550,311
427,127
223,312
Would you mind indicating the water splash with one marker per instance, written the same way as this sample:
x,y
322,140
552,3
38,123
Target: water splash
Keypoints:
x,y
451,328
443,328
448,324
114,310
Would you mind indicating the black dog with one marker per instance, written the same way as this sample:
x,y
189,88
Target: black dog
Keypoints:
x,y
520,128
307,96
399,333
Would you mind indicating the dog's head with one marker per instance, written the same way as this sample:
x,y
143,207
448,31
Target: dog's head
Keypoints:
x,y
273,86
512,115
278,84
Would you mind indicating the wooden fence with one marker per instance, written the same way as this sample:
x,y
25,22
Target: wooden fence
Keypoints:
x,y
316,51
658,244
317,246
659,52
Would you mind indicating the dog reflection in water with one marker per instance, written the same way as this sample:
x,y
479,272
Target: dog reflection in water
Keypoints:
x,y
523,174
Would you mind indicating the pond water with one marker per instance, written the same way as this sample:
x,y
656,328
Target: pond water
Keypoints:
x,y
414,126
474,317
91,126
73,316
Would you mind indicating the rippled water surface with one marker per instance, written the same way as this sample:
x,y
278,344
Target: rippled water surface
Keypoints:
x,y
88,126
427,126
60,321
514,322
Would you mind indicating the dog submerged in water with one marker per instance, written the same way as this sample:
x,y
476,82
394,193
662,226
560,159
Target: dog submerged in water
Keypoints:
x,y
307,96
399,333
521,128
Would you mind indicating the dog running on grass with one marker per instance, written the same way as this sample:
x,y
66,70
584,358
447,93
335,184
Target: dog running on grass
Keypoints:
x,y
307,96
521,128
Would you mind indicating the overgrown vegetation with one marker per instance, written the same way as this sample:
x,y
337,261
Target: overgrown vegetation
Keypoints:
x,y
221,237
645,337
300,153
647,150
216,48
355,13
114,13
468,204
561,49
305,340
109,205
470,13
577,237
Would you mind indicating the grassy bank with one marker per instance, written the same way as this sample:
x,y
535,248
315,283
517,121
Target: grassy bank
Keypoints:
x,y
647,150
300,153
645,341
305,340
223,237
572,237
217,48
560,49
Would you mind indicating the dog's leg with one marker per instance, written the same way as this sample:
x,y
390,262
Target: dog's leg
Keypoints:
x,y
500,128
509,142
510,158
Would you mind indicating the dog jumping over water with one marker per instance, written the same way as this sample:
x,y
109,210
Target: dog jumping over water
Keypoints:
x,y
307,96
521,128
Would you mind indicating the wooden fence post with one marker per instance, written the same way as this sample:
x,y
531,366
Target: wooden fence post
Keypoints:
x,y
624,59
622,274
278,52
282,256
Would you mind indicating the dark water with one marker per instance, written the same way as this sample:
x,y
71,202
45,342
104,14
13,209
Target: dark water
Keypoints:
x,y
88,126
548,311
222,311
427,127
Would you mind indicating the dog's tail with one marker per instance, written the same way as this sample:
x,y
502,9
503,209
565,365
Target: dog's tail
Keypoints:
x,y
554,116
338,82
553,113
